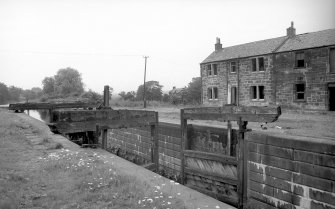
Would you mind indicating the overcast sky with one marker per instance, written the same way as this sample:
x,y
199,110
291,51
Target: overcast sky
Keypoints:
x,y
106,40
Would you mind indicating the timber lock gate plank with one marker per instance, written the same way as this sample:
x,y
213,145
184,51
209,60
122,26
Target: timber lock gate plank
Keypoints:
x,y
229,169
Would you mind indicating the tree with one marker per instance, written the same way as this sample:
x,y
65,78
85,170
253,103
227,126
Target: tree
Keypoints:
x,y
15,93
166,98
68,81
122,94
4,94
153,91
193,91
92,97
128,96
48,84
37,92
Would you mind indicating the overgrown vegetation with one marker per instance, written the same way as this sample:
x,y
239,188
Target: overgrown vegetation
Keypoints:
x,y
62,178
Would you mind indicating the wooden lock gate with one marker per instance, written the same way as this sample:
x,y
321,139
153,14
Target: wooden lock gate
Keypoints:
x,y
229,171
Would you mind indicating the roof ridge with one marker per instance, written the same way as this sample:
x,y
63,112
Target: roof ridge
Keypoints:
x,y
280,45
278,37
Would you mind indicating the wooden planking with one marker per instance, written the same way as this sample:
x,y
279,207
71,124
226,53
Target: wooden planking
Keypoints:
x,y
210,175
43,105
225,159
74,127
224,198
169,146
234,113
88,115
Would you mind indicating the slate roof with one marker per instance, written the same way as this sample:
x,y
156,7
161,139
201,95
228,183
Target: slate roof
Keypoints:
x,y
280,44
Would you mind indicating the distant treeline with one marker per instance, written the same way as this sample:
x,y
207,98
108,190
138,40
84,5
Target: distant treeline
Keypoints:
x,y
67,85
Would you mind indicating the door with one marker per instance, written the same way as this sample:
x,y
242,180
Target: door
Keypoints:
x,y
331,94
233,95
332,60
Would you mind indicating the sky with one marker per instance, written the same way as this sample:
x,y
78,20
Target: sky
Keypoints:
x,y
105,40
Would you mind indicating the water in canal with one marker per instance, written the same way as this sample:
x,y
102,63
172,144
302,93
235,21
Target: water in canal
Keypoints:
x,y
42,115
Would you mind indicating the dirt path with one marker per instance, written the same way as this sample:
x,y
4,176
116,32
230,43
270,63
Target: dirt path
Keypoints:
x,y
309,124
43,170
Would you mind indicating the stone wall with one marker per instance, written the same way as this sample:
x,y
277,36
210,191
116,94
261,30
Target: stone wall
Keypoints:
x,y
314,75
286,172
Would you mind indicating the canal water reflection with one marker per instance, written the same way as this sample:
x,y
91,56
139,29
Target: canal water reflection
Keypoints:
x,y
42,115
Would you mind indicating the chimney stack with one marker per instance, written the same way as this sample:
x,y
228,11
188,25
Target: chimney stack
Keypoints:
x,y
218,45
291,31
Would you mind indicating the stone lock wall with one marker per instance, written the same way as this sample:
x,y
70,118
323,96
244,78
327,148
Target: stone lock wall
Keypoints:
x,y
286,172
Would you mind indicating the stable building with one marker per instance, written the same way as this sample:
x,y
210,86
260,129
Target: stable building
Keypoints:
x,y
295,71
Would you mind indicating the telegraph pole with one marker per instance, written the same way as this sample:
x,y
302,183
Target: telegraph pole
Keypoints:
x,y
145,73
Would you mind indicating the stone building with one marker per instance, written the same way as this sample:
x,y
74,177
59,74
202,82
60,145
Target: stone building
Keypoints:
x,y
291,71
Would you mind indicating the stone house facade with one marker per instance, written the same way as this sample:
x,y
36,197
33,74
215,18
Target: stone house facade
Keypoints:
x,y
291,71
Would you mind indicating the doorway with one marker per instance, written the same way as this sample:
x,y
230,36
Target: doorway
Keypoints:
x,y
331,96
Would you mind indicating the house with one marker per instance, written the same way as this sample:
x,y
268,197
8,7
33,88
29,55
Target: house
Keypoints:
x,y
291,71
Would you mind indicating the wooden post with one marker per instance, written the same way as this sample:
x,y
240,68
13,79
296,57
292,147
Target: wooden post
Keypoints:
x,y
51,119
183,124
229,135
106,104
242,165
154,140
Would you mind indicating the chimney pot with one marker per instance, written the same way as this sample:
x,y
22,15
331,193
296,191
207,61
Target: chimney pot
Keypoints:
x,y
218,45
291,30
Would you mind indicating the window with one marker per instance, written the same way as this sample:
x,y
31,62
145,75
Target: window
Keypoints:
x,y
209,70
257,92
261,64
300,59
300,91
254,65
212,93
233,67
212,69
215,69
257,64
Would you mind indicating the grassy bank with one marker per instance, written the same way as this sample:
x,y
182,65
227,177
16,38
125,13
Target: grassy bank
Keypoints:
x,y
37,172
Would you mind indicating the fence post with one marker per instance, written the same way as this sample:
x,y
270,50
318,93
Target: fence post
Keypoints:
x,y
229,135
183,124
154,138
51,119
242,164
106,104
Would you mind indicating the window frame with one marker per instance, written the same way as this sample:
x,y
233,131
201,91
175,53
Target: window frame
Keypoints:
x,y
231,65
295,87
213,91
212,69
255,64
256,89
296,61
